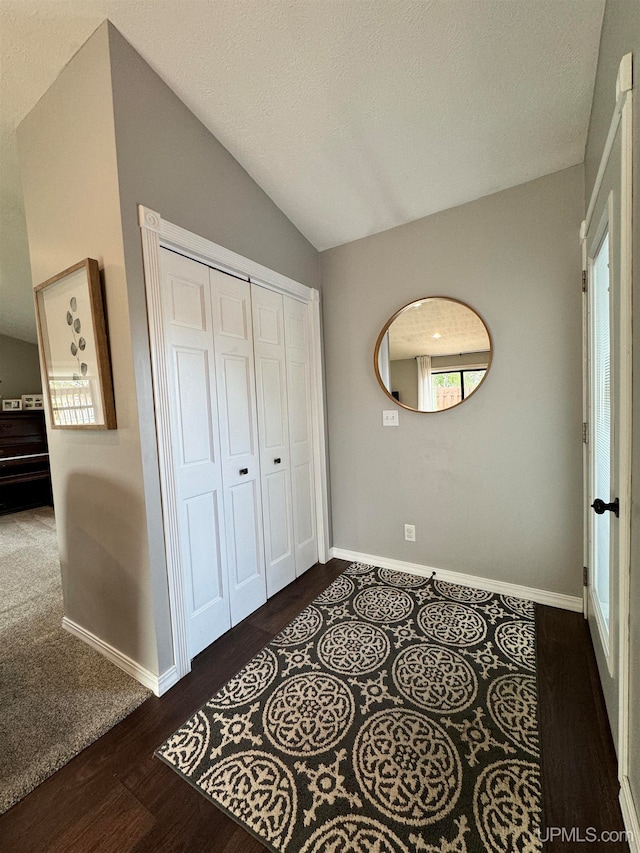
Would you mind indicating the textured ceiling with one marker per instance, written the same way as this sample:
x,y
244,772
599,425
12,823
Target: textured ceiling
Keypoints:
x,y
353,115
437,326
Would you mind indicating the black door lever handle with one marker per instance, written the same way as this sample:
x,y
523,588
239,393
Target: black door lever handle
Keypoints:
x,y
601,507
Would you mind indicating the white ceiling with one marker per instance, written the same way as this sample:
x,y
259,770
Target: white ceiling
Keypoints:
x,y
437,326
353,115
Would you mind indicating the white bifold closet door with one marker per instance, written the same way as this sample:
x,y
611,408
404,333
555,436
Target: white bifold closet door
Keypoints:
x,y
238,366
233,342
193,404
298,360
273,427
281,344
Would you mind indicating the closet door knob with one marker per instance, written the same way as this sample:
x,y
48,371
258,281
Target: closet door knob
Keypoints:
x,y
277,461
243,471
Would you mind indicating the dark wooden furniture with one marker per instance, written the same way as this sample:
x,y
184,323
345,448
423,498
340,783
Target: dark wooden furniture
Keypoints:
x,y
25,481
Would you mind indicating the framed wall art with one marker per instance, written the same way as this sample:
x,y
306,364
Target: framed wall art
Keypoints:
x,y
32,401
74,350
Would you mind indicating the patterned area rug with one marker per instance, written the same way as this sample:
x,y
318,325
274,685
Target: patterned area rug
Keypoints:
x,y
394,714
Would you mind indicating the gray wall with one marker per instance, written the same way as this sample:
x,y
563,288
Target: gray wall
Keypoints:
x,y
19,368
620,35
404,378
107,135
493,486
68,167
168,161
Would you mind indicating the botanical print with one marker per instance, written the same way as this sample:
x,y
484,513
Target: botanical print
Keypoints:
x,y
72,364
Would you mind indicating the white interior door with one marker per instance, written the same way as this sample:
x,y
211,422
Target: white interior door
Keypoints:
x,y
300,433
186,309
608,244
603,253
273,432
233,339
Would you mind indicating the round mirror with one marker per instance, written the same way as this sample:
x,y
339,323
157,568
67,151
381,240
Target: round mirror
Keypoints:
x,y
433,354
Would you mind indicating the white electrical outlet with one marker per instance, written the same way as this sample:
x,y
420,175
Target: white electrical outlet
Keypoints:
x,y
390,417
410,532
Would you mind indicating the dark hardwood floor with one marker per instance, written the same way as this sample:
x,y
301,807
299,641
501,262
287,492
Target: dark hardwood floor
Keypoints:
x,y
579,770
115,796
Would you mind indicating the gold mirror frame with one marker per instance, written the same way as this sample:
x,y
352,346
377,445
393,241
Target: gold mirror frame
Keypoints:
x,y
387,326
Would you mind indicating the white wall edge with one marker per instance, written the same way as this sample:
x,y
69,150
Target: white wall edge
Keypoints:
x,y
159,684
626,421
541,596
318,426
630,816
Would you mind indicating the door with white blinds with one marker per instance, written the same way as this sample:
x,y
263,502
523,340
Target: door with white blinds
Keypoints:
x,y
607,235
600,314
603,264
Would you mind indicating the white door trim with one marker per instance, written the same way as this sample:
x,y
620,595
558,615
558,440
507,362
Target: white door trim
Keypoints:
x,y
158,233
626,410
622,116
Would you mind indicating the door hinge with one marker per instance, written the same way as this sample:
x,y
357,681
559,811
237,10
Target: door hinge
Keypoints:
x,y
585,433
584,281
585,576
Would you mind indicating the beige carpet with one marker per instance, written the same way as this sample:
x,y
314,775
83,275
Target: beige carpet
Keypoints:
x,y
57,695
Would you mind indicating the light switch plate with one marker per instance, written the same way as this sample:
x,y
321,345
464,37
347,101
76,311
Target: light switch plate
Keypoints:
x,y
390,417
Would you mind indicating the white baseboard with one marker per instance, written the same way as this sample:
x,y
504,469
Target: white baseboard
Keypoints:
x,y
541,596
159,684
630,816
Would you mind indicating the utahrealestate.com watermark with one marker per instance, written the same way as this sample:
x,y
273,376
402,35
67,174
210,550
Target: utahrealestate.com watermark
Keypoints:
x,y
587,835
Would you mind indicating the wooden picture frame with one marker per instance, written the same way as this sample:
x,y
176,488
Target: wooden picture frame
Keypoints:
x,y
74,350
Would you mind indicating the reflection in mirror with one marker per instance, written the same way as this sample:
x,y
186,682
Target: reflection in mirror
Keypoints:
x,y
433,354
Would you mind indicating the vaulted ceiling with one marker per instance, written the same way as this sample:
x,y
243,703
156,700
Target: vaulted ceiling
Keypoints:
x,y
353,115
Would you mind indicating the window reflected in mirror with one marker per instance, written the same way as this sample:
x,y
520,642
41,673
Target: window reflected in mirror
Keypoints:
x,y
433,354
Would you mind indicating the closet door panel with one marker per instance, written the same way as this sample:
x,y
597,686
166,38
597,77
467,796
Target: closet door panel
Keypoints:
x,y
245,522
273,430
193,410
238,438
300,434
279,506
299,419
305,516
233,339
202,547
273,396
190,361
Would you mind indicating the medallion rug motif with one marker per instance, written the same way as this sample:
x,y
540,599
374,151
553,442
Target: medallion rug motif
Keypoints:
x,y
394,714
